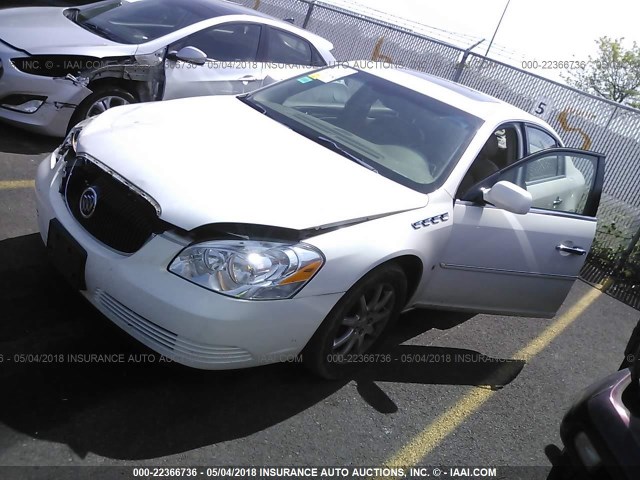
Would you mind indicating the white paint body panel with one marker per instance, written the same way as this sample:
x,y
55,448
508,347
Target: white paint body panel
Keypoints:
x,y
500,262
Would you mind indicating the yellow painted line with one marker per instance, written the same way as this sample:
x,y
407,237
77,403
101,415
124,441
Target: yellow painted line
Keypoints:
x,y
15,184
427,440
557,327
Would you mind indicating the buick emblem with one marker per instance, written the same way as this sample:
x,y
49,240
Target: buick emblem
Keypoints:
x,y
88,202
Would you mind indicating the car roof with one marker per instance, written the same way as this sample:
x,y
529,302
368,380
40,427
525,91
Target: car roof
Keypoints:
x,y
214,8
228,8
220,8
477,103
318,41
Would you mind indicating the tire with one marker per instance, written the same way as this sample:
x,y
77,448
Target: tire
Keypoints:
x,y
100,100
352,329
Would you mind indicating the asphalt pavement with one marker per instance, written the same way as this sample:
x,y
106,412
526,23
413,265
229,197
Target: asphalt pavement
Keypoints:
x,y
76,391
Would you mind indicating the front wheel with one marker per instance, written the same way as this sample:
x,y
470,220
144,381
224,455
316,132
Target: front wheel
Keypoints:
x,y
101,100
355,326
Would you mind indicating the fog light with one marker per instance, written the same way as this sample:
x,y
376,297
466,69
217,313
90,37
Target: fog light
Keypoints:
x,y
30,106
586,451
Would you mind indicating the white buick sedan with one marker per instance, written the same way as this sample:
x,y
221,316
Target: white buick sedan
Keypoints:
x,y
229,232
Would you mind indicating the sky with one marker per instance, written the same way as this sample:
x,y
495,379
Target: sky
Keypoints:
x,y
531,30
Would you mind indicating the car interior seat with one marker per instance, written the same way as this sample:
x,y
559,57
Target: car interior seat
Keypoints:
x,y
483,166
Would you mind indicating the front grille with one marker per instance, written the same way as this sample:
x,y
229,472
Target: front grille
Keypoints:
x,y
121,218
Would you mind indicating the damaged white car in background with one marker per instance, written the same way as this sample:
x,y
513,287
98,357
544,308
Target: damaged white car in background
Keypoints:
x,y
59,66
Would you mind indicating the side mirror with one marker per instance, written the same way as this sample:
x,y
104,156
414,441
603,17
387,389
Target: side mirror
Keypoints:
x,y
190,55
509,197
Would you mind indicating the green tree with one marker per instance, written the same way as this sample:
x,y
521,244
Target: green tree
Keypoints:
x,y
614,73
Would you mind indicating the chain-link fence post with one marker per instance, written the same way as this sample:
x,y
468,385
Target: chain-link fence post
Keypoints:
x,y
463,61
611,118
307,18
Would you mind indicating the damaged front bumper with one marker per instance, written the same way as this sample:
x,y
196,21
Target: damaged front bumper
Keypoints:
x,y
37,103
32,100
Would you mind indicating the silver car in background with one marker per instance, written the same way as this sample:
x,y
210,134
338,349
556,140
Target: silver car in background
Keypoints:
x,y
83,61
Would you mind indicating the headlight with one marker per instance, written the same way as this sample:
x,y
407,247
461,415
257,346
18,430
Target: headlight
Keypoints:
x,y
249,270
70,142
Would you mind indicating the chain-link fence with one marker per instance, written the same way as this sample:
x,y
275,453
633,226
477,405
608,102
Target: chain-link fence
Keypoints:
x,y
583,120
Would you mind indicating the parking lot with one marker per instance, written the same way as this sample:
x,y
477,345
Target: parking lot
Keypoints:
x,y
481,390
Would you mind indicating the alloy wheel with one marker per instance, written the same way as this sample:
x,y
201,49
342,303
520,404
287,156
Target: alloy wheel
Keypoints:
x,y
105,103
365,320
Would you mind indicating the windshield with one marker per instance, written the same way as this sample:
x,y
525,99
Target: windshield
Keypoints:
x,y
404,135
135,22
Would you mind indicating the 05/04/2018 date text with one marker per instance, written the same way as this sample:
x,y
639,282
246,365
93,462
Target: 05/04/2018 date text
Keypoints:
x,y
470,357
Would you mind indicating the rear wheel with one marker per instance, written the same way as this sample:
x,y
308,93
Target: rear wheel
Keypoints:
x,y
357,323
101,100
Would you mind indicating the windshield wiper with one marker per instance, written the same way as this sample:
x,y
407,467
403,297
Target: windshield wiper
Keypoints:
x,y
97,29
327,142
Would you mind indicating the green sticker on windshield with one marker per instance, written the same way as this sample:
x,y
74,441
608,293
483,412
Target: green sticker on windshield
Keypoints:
x,y
305,80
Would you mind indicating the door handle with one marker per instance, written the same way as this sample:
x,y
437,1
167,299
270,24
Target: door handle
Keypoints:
x,y
557,201
573,250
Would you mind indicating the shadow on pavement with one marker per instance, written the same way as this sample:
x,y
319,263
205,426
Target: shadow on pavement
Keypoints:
x,y
140,409
15,140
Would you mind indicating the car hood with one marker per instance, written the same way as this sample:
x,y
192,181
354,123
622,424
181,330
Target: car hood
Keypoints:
x,y
56,34
212,160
